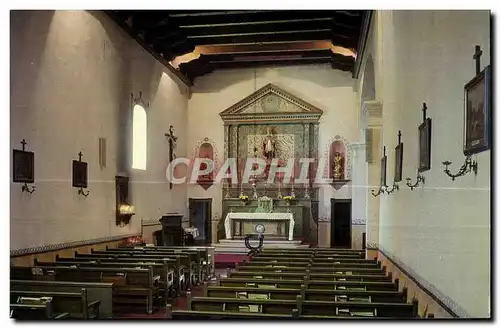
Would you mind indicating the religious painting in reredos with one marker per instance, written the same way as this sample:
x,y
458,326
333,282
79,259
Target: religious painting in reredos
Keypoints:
x,y
80,174
424,145
23,165
477,112
383,168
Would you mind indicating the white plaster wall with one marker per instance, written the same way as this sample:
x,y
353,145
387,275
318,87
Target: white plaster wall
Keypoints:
x,y
330,90
168,99
72,73
440,231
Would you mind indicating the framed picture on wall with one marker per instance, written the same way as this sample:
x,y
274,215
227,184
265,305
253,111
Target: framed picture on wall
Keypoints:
x,y
23,166
79,174
398,168
477,113
383,167
424,145
398,165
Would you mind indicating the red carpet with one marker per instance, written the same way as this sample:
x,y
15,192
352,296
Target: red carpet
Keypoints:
x,y
223,261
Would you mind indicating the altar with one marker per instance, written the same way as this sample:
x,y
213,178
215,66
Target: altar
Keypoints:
x,y
254,219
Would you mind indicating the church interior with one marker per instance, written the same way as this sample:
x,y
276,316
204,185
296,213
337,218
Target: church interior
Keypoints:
x,y
203,164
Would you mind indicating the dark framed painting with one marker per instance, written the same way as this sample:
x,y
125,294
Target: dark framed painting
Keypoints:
x,y
383,172
477,113
80,174
424,145
398,168
23,166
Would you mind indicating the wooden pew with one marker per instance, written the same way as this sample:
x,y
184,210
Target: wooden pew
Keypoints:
x,y
75,304
310,284
195,257
313,251
237,292
214,315
132,287
181,275
261,283
207,255
31,312
289,263
313,269
96,291
327,310
191,259
218,304
306,255
166,283
185,264
307,294
312,275
279,259
333,276
304,309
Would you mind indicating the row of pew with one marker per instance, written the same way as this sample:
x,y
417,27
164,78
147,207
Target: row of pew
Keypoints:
x,y
302,284
106,283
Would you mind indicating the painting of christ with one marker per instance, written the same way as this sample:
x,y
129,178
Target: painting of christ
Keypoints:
x,y
477,113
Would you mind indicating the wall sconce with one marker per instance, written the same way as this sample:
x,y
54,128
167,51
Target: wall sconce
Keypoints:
x,y
380,190
26,188
82,192
393,188
126,209
468,166
420,178
383,170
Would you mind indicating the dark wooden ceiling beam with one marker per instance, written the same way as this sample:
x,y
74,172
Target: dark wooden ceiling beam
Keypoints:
x,y
263,48
276,59
252,23
251,16
204,13
248,64
282,54
316,25
277,38
261,34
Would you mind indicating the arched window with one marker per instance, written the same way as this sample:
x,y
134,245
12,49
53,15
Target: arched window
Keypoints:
x,y
139,138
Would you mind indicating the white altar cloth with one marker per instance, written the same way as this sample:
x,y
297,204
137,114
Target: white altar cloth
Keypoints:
x,y
258,216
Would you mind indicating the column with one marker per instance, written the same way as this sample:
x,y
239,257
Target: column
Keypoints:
x,y
359,169
372,111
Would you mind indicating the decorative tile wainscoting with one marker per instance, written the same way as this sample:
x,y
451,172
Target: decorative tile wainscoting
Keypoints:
x,y
26,257
430,299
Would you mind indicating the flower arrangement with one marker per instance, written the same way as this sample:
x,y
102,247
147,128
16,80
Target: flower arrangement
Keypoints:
x,y
288,199
244,198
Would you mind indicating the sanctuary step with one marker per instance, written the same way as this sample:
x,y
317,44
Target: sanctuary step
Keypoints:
x,y
237,246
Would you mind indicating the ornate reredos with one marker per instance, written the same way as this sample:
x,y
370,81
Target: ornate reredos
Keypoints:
x,y
271,104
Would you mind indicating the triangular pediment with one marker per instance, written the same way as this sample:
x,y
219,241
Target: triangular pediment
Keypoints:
x,y
271,103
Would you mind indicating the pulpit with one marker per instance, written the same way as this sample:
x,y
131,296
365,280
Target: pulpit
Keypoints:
x,y
173,233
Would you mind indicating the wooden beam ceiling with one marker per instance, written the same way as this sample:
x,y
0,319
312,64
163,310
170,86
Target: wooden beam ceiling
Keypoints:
x,y
198,42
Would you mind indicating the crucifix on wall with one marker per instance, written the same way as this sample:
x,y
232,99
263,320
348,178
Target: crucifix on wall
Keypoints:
x,y
172,145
